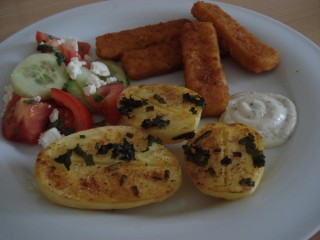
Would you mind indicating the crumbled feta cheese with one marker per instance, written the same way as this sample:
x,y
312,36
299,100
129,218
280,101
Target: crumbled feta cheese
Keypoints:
x,y
74,67
49,136
111,80
54,115
37,98
60,41
100,69
72,42
95,80
89,89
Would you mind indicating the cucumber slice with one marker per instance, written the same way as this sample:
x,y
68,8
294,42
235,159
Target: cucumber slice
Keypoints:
x,y
37,74
76,90
117,71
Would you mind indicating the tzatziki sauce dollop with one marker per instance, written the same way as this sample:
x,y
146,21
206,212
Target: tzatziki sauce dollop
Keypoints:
x,y
274,116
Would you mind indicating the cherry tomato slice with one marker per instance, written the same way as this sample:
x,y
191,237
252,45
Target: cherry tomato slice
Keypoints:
x,y
82,117
24,121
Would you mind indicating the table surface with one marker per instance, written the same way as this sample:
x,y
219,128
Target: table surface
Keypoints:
x,y
303,16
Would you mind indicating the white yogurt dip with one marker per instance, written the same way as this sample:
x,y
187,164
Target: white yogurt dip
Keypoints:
x,y
272,115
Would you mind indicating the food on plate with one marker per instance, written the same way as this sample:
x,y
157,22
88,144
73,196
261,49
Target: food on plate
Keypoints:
x,y
24,119
225,160
203,72
54,92
117,71
171,113
242,45
274,116
112,45
37,74
111,167
152,61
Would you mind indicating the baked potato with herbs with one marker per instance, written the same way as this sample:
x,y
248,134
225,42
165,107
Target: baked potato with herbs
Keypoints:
x,y
111,167
225,160
171,113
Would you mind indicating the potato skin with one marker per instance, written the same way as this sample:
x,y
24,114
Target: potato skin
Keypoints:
x,y
225,169
111,183
164,103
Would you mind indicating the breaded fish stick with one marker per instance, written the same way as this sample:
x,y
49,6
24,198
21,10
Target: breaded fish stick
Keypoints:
x,y
202,67
152,61
242,45
112,45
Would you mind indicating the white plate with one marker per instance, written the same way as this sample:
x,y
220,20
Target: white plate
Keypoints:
x,y
285,206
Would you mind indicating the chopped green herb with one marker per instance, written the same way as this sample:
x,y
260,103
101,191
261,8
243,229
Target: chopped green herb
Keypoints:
x,y
128,104
159,99
249,144
258,157
155,122
97,97
197,100
185,136
196,154
65,159
202,136
47,49
60,126
82,136
247,182
88,159
226,161
104,149
150,140
259,160
124,151
193,110
30,101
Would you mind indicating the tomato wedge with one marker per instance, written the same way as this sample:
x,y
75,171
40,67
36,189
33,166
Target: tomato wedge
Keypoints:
x,y
83,48
82,117
67,51
107,103
43,37
25,120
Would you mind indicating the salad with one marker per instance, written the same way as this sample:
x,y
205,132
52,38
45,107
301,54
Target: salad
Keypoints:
x,y
57,91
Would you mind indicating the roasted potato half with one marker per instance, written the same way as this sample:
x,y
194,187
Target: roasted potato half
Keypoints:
x,y
171,113
112,167
225,160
